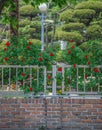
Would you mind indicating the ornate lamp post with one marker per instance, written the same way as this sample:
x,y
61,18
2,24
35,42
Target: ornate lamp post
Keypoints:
x,y
43,9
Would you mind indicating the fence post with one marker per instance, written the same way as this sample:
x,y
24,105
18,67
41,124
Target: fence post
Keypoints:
x,y
54,80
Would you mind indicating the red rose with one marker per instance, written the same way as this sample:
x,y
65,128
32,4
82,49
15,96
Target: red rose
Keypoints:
x,y
49,76
30,43
28,47
86,76
72,47
40,54
96,70
89,62
71,40
23,74
40,59
7,43
6,58
74,65
60,69
86,56
22,83
51,54
69,52
5,49
31,89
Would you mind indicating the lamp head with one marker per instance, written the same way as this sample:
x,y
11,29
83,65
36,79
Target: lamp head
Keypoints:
x,y
43,7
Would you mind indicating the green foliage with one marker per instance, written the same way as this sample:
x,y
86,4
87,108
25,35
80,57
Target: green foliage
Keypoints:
x,y
84,13
66,36
73,26
94,31
28,10
36,24
24,22
66,15
95,5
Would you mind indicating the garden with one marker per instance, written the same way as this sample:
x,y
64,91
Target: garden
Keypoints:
x,y
78,64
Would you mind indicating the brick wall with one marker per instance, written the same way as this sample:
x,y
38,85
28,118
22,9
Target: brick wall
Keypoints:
x,y
60,113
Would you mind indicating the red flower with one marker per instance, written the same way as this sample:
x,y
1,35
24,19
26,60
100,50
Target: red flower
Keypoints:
x,y
5,49
71,40
31,89
40,59
28,47
40,54
51,54
49,76
23,74
60,69
7,43
22,83
6,58
89,62
69,52
86,76
30,43
74,65
96,70
72,47
86,56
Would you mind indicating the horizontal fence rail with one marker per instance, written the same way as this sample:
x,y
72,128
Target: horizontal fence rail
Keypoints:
x,y
16,80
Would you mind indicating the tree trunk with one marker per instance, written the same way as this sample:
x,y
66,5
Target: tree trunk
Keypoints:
x,y
14,16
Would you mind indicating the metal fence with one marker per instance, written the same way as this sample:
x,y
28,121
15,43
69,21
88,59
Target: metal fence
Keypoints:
x,y
16,80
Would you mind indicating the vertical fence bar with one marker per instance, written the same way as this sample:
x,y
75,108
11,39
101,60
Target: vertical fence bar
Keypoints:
x,y
16,79
37,76
2,79
54,80
45,80
91,79
30,76
84,79
77,79
9,77
63,86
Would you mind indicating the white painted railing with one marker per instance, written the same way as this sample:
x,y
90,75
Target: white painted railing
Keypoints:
x,y
67,80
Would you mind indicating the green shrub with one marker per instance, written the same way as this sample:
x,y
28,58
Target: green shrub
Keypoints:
x,y
94,31
24,22
95,5
84,13
66,36
66,15
73,26
29,10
